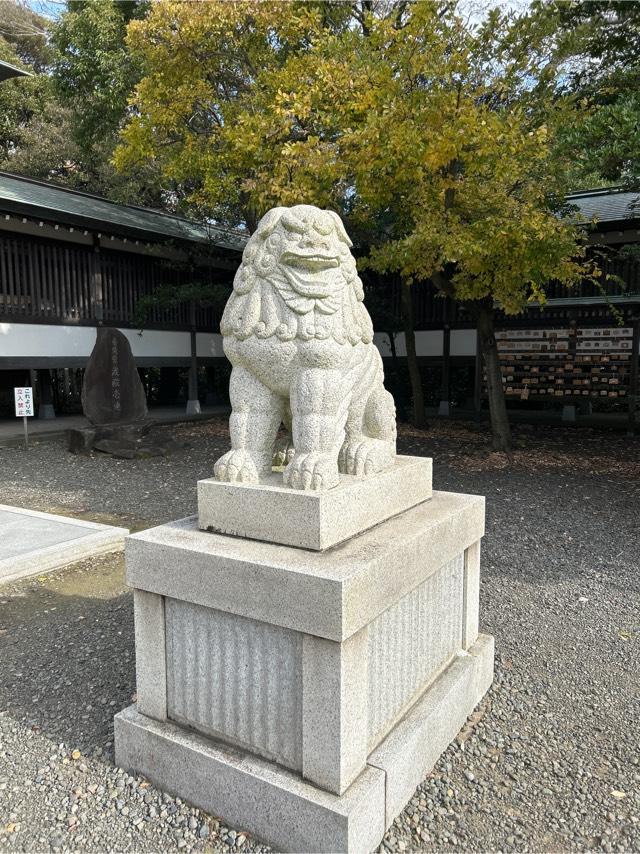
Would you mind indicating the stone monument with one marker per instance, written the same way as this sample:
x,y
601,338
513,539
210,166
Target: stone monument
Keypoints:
x,y
112,392
307,645
114,402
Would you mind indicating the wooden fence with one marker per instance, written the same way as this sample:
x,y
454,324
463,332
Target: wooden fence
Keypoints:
x,y
48,282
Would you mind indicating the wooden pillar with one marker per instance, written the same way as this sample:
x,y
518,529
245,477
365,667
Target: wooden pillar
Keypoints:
x,y
45,407
634,382
569,409
97,302
193,404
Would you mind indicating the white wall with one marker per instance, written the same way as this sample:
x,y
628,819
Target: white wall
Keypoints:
x,y
26,340
463,342
430,343
155,342
209,345
34,340
41,340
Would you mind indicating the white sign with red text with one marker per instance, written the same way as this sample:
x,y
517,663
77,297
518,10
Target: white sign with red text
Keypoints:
x,y
24,400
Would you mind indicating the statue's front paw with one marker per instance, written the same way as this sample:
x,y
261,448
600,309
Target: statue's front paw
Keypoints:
x,y
363,457
235,466
312,471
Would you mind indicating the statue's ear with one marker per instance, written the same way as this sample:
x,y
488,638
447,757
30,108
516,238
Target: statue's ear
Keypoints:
x,y
244,278
340,229
269,221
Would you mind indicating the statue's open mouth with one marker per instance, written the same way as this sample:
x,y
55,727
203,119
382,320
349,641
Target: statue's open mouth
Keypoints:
x,y
312,261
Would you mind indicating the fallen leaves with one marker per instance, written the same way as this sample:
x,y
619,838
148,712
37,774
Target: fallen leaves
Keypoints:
x,y
467,447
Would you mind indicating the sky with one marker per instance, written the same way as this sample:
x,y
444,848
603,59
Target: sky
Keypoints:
x,y
475,8
47,8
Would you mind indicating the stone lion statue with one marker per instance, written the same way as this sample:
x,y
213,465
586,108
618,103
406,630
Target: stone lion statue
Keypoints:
x,y
300,341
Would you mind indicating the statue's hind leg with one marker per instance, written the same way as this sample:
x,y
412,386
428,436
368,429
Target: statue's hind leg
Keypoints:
x,y
380,416
370,442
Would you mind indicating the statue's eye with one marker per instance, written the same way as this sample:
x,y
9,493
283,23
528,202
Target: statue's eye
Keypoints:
x,y
292,223
323,225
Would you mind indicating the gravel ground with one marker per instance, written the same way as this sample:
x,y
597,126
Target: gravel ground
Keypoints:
x,y
549,762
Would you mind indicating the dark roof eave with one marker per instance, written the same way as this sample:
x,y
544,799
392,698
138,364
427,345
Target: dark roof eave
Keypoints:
x,y
99,226
9,71
612,224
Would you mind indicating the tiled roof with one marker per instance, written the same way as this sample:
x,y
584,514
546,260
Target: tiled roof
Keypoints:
x,y
58,204
606,205
38,198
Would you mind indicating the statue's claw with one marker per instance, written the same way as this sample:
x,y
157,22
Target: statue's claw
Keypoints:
x,y
311,471
236,466
363,457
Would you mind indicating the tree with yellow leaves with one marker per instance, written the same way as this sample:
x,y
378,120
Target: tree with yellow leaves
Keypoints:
x,y
431,137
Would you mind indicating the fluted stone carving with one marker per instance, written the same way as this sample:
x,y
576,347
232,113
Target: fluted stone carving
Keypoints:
x,y
301,344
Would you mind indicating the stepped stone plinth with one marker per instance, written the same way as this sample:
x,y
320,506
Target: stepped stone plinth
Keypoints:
x,y
303,694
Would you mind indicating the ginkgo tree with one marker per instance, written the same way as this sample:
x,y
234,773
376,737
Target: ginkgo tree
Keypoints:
x,y
432,137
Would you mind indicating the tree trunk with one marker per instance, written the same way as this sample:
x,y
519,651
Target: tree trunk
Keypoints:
x,y
497,404
415,379
395,369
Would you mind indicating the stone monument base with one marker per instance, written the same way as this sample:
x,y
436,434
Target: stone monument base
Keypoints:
x,y
281,808
299,693
125,441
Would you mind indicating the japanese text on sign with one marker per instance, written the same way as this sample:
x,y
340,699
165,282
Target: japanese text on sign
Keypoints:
x,y
24,400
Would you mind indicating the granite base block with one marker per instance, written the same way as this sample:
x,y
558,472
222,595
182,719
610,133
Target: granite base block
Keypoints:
x,y
280,808
330,594
273,513
273,804
414,746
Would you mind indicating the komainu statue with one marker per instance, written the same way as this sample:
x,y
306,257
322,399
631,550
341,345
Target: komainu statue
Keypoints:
x,y
301,344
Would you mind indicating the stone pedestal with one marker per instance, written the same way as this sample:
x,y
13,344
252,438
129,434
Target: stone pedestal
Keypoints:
x,y
302,693
312,520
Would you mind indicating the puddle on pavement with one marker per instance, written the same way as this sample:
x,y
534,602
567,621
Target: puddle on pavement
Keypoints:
x,y
95,578
64,590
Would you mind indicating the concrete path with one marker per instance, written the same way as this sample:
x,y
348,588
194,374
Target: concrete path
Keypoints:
x,y
11,428
32,543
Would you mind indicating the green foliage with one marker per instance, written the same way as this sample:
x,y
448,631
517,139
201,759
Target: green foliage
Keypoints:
x,y
92,69
596,46
21,99
93,73
62,125
435,140
26,33
170,296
